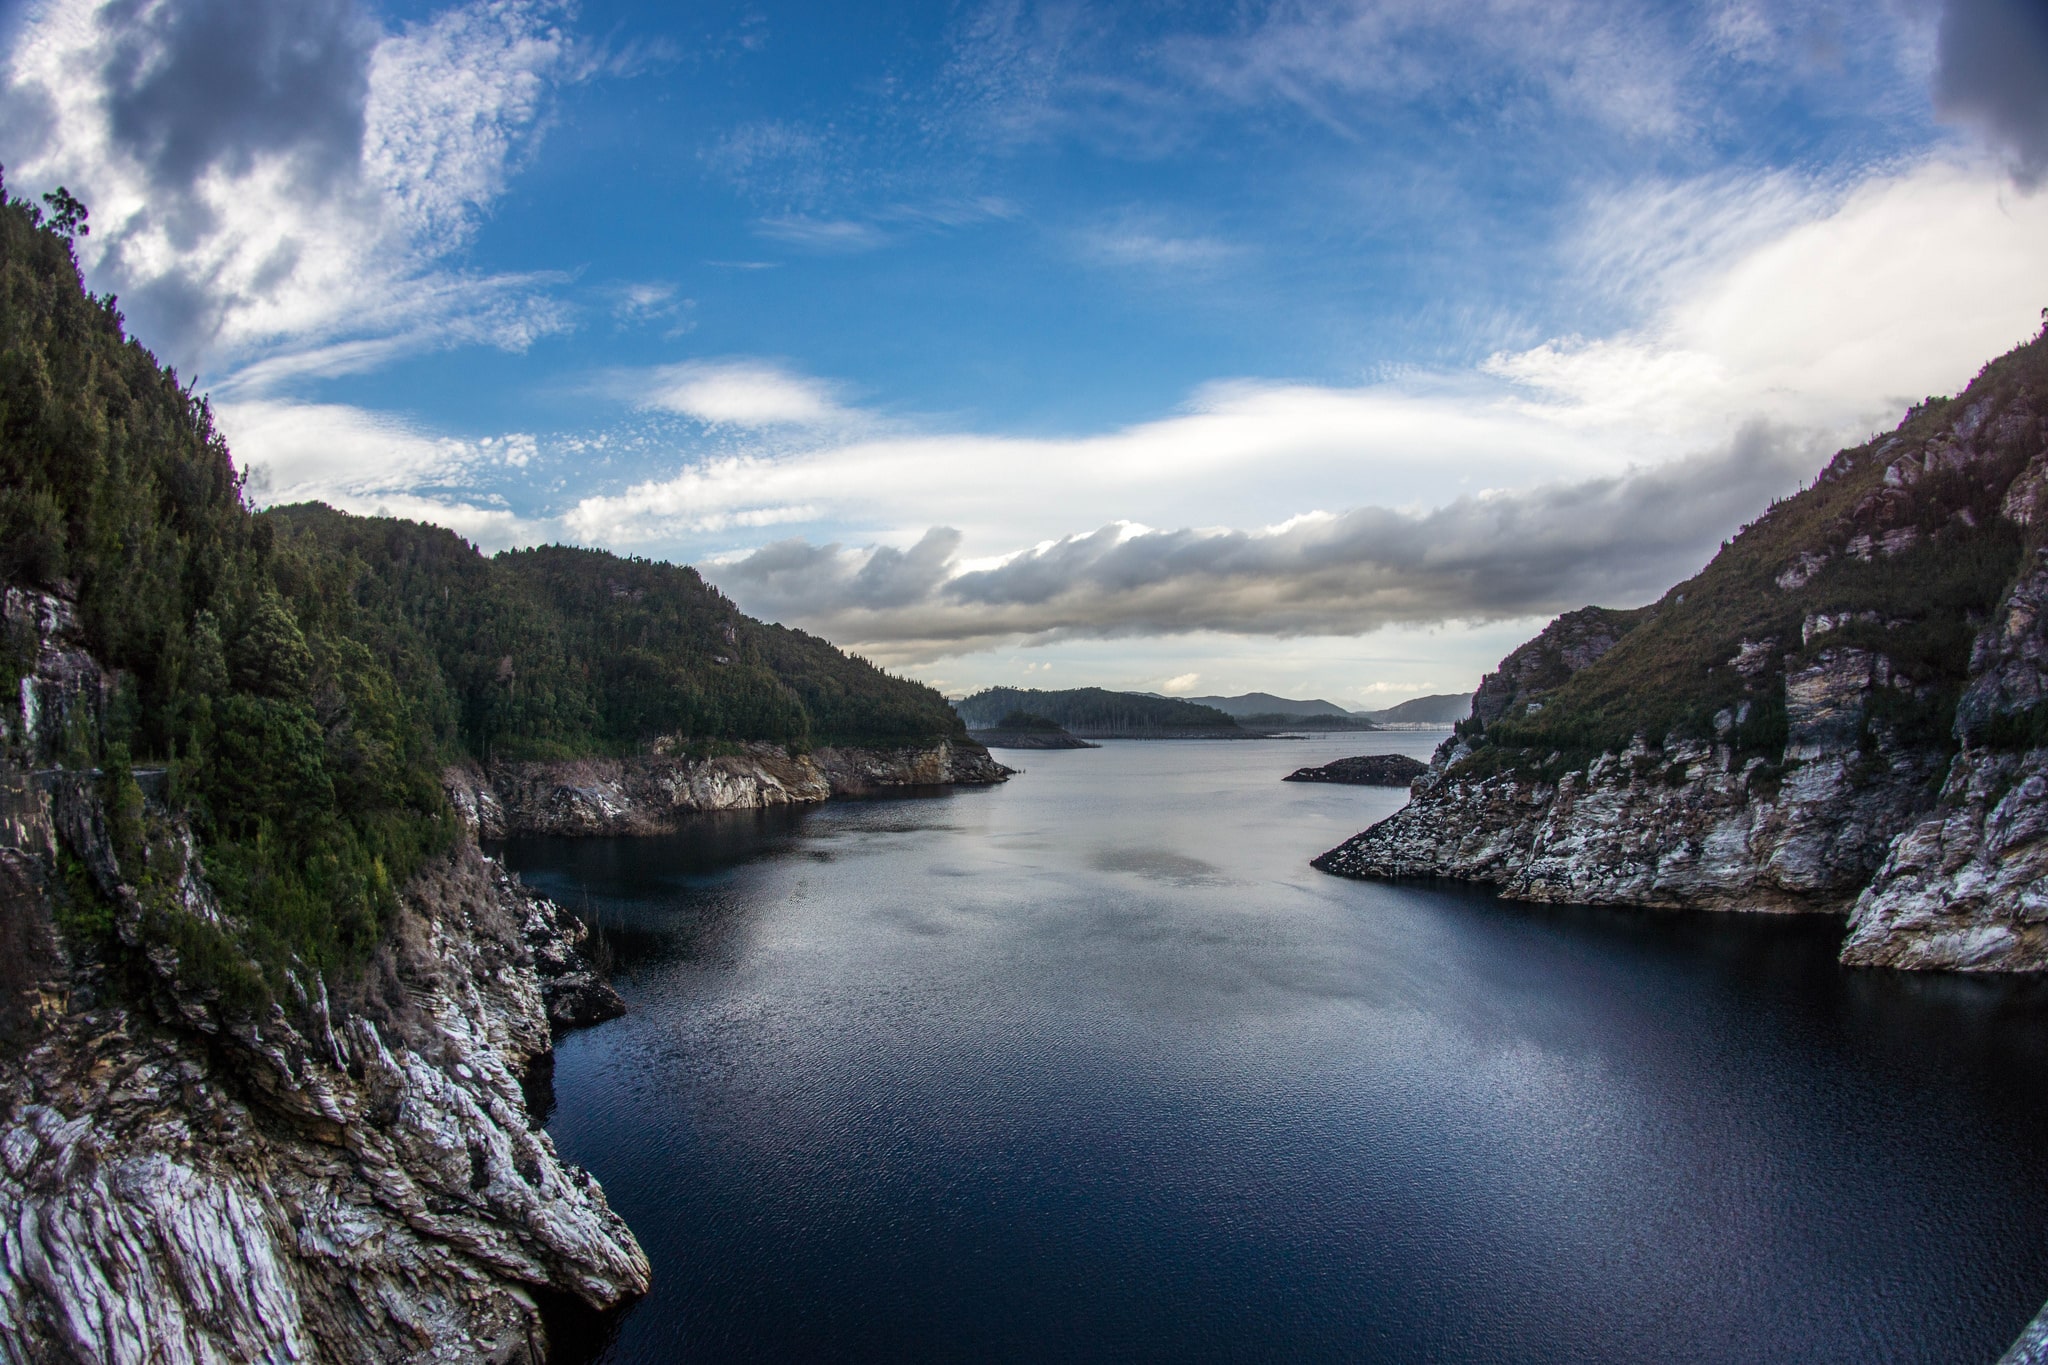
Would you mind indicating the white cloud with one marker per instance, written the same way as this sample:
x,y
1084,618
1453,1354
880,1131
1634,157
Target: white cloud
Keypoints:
x,y
1893,290
1615,62
304,206
1181,684
824,235
1263,450
740,393
376,464
1472,496
1617,539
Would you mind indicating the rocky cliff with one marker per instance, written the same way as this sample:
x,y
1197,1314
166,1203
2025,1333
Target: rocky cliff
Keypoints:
x,y
1846,711
649,793
346,1175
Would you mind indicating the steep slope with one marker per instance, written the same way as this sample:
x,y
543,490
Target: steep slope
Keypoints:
x,y
264,1007
1860,662
347,1174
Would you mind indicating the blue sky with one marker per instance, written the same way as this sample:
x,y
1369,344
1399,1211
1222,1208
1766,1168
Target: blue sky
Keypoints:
x,y
1324,347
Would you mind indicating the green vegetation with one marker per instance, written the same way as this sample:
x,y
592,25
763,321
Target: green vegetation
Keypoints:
x,y
1091,710
303,674
1021,722
1952,559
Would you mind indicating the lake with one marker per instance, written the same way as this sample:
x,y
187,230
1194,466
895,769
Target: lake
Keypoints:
x,y
1094,1066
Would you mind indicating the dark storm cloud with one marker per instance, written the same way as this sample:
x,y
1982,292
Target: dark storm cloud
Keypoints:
x,y
268,96
1617,541
1992,70
205,84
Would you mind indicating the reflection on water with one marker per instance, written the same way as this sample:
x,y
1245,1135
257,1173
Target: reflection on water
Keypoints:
x,y
1093,1066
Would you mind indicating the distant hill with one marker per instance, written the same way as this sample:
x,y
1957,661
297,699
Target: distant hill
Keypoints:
x,y
1263,710
1443,709
1098,714
1265,704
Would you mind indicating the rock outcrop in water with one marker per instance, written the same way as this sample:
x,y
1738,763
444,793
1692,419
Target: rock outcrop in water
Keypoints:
x,y
649,794
1846,711
346,1177
1367,770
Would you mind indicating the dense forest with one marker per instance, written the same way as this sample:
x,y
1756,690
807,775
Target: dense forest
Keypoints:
x,y
1094,711
301,675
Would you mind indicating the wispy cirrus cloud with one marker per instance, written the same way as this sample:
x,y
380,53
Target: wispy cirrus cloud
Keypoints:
x,y
639,303
823,235
1147,242
1638,74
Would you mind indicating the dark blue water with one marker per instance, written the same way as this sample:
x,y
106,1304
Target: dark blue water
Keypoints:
x,y
1094,1067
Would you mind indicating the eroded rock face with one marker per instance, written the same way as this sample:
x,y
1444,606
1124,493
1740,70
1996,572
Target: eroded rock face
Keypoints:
x,y
1964,888
1683,827
349,1179
649,794
1862,805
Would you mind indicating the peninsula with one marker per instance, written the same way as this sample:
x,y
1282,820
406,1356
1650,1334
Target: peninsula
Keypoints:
x,y
1846,711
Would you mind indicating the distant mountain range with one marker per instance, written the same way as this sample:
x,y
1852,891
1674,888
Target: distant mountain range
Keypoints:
x,y
1266,704
1446,708
1099,714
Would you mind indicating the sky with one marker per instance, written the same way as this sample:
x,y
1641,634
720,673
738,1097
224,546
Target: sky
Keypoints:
x,y
1320,347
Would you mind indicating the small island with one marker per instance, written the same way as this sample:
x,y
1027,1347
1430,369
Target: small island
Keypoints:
x,y
1368,770
1020,729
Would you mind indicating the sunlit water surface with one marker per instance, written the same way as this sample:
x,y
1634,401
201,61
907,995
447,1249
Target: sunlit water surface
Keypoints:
x,y
1093,1066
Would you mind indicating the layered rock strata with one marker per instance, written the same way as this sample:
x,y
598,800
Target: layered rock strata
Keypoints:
x,y
1686,824
347,1177
650,793
1967,887
1877,647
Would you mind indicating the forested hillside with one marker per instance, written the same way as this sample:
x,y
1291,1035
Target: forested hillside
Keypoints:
x,y
1092,710
301,675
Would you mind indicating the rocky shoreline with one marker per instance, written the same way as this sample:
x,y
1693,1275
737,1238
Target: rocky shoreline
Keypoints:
x,y
651,793
1029,739
1934,841
353,1173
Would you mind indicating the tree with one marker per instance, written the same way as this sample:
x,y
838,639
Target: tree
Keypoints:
x,y
67,215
